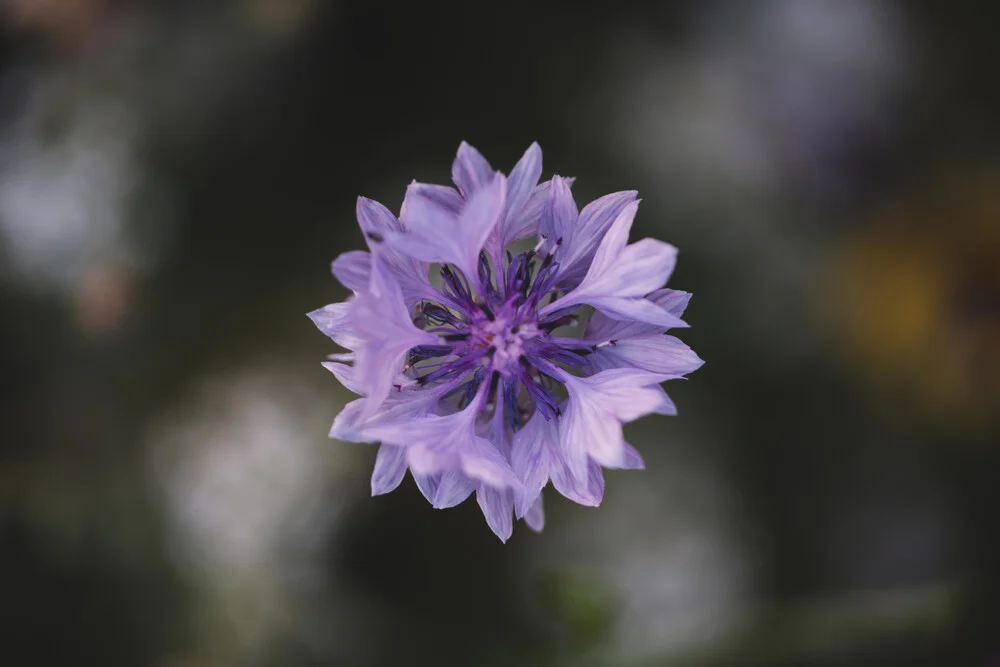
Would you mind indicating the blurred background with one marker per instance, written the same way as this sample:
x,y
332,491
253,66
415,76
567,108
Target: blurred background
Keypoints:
x,y
177,175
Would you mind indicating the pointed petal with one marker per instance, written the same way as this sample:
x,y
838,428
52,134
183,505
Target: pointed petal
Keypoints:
x,y
526,222
382,321
629,309
378,223
345,374
633,459
480,216
559,215
345,424
660,354
498,508
674,301
353,269
520,186
448,443
535,518
535,449
334,321
452,488
481,461
444,490
355,421
621,275
375,219
433,234
591,426
390,467
589,491
442,196
603,328
470,170
637,270
595,219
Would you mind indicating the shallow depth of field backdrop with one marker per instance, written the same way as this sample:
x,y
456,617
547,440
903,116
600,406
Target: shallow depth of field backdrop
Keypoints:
x,y
176,176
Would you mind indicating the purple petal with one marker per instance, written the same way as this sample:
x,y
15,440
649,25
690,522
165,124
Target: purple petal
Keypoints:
x,y
353,422
375,219
630,309
535,450
560,213
390,467
383,322
520,186
535,518
673,301
353,270
345,374
602,328
438,444
378,223
633,459
526,222
470,170
595,219
335,321
445,490
591,426
435,235
661,354
498,508
621,275
588,492
345,424
442,196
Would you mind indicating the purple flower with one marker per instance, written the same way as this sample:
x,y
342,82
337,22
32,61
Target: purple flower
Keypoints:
x,y
493,380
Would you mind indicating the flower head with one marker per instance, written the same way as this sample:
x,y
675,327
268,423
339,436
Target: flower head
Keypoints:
x,y
493,380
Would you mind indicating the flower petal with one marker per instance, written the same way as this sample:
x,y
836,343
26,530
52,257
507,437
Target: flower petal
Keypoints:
x,y
438,444
661,354
621,275
470,170
381,319
591,426
602,328
577,251
353,269
434,234
526,222
390,468
345,374
631,309
633,459
534,452
444,490
520,186
442,196
588,492
498,508
400,406
334,320
559,215
535,518
378,223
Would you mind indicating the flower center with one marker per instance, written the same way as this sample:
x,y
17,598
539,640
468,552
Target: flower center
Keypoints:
x,y
506,342
489,331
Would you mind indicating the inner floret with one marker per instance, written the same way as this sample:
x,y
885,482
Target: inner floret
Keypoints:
x,y
489,330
